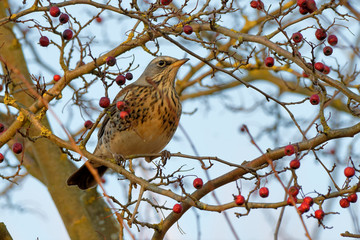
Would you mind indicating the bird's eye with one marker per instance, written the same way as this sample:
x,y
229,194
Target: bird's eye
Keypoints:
x,y
161,63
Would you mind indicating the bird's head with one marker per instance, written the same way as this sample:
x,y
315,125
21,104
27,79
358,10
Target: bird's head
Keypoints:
x,y
161,70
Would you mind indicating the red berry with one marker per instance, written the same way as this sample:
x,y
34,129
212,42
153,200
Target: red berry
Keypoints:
x,y
254,4
165,2
264,192
17,148
289,150
352,198
291,200
344,203
239,199
260,6
301,209
2,127
295,164
301,3
120,105
98,19
56,78
44,41
326,70
297,37
319,66
177,208
303,10
64,18
314,99
67,34
129,76
309,201
320,34
198,183
188,29
349,172
332,40
269,61
1,157
311,6
304,74
111,61
293,191
319,214
305,206
328,50
120,80
88,124
104,102
124,114
54,11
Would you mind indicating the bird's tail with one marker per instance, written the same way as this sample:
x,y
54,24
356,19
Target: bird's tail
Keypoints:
x,y
83,177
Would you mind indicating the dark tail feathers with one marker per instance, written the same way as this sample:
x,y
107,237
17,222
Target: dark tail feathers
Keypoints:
x,y
83,178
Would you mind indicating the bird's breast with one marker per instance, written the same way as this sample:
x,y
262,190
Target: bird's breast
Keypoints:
x,y
152,121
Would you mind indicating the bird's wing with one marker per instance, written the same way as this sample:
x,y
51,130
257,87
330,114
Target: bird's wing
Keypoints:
x,y
112,110
111,113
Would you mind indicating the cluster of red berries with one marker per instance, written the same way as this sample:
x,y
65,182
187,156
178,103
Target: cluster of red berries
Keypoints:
x,y
123,108
345,202
198,184
16,148
55,12
321,35
121,79
307,202
290,150
306,6
63,18
351,198
259,5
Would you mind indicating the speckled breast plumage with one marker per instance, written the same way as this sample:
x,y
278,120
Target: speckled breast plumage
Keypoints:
x,y
153,118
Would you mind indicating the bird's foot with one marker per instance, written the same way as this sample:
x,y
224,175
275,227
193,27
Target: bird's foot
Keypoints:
x,y
165,155
119,159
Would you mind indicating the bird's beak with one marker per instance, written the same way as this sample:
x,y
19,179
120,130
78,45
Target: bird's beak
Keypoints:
x,y
180,62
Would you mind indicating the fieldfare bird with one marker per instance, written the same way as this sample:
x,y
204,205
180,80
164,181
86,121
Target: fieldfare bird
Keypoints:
x,y
152,115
